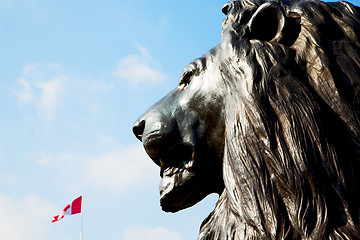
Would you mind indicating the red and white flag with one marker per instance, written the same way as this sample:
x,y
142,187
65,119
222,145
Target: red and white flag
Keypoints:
x,y
72,208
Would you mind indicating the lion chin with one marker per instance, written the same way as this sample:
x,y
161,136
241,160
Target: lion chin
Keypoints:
x,y
270,120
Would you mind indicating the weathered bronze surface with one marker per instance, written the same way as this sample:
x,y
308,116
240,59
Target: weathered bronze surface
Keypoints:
x,y
270,120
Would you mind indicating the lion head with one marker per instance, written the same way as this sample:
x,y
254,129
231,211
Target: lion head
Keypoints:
x,y
270,120
184,134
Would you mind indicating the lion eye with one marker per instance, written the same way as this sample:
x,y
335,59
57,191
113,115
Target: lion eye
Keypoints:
x,y
186,78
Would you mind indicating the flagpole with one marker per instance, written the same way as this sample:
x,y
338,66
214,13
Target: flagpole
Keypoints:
x,y
82,216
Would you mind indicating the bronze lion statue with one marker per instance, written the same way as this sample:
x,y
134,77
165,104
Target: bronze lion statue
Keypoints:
x,y
270,120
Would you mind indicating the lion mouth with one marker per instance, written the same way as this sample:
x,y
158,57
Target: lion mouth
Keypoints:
x,y
173,179
171,170
177,169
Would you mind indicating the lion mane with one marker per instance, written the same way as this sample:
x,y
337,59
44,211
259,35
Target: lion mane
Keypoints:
x,y
291,164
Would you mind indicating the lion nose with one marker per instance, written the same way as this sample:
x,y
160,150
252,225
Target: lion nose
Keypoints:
x,y
138,129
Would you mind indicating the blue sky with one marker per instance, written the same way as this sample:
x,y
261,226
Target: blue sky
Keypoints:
x,y
74,77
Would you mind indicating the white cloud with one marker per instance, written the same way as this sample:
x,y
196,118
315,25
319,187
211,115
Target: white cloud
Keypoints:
x,y
115,168
41,71
42,85
50,96
134,232
47,87
139,68
42,158
120,169
101,84
25,94
26,218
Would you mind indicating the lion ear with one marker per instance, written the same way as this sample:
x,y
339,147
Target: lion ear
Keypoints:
x,y
268,22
